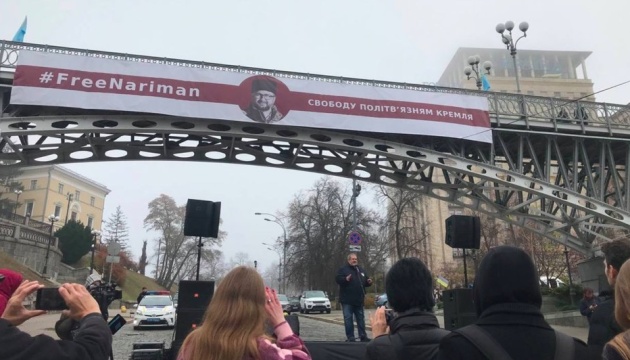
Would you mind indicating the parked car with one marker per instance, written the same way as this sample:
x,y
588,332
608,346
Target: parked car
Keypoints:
x,y
294,301
314,300
284,301
380,300
155,311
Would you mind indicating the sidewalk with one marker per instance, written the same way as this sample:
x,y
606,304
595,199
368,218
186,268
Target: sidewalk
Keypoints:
x,y
336,317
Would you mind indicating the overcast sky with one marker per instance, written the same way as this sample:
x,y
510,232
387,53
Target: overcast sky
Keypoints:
x,y
399,40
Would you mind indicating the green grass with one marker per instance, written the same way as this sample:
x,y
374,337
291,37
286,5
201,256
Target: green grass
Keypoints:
x,y
134,283
8,262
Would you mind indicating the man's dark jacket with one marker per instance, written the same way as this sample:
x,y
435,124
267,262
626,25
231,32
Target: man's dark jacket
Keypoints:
x,y
507,301
419,334
93,341
352,292
603,326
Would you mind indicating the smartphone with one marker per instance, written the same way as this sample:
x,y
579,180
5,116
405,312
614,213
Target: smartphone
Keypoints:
x,y
389,315
116,323
49,299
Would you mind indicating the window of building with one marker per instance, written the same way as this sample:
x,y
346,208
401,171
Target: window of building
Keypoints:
x,y
57,210
557,94
28,209
90,222
77,195
92,200
73,216
529,92
33,184
60,188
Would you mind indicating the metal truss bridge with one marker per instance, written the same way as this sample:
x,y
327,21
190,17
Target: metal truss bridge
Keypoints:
x,y
555,166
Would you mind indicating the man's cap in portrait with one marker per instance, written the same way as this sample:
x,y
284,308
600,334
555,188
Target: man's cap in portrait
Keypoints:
x,y
264,84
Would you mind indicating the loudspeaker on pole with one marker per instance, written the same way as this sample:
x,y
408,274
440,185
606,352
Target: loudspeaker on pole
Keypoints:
x,y
202,218
463,232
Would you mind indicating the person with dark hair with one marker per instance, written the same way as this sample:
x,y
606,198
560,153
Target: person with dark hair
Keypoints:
x,y
414,332
588,303
353,280
510,324
262,107
142,294
603,326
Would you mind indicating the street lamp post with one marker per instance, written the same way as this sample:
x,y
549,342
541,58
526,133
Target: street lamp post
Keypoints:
x,y
95,234
285,244
69,197
52,219
509,42
279,265
474,61
17,202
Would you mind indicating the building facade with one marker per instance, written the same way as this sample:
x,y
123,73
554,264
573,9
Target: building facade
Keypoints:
x,y
557,74
56,190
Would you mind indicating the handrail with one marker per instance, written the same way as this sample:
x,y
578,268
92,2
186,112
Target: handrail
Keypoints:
x,y
505,108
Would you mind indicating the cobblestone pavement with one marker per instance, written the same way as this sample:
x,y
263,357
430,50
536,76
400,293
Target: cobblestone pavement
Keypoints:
x,y
313,327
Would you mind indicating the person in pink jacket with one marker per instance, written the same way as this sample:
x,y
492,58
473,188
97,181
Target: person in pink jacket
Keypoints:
x,y
234,324
8,284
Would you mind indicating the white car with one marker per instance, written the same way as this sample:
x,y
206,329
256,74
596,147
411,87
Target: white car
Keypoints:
x,y
155,311
314,300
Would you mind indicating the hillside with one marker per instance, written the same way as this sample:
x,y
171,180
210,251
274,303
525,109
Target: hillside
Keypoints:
x,y
8,262
133,284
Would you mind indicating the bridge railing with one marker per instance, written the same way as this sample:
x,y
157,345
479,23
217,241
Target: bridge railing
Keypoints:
x,y
505,108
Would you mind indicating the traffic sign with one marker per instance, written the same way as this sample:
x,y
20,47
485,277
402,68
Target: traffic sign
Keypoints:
x,y
112,259
113,248
355,248
354,238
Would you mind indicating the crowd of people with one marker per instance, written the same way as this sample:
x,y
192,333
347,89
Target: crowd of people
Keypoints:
x,y
506,294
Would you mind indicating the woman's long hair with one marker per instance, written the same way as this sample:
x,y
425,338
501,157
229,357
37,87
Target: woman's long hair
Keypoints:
x,y
621,342
233,322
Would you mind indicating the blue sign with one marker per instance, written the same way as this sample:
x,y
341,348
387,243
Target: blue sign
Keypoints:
x,y
354,238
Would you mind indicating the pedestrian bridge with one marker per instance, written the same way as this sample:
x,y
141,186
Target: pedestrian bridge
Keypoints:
x,y
553,165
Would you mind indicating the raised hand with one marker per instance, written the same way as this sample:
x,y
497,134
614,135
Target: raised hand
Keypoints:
x,y
79,301
15,312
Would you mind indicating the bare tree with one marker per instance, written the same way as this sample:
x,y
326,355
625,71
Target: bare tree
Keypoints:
x,y
406,224
320,220
116,229
142,263
176,252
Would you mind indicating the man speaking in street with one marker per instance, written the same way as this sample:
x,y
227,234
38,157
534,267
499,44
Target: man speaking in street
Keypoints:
x,y
352,281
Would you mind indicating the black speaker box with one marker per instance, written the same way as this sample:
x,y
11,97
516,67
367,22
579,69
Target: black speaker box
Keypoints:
x,y
202,218
187,321
463,232
194,295
459,309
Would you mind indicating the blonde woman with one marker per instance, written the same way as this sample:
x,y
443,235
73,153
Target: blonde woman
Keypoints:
x,y
619,347
234,324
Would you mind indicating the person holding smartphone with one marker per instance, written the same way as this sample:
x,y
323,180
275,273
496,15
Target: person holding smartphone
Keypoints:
x,y
412,331
93,340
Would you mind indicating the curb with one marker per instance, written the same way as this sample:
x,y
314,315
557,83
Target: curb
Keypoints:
x,y
332,321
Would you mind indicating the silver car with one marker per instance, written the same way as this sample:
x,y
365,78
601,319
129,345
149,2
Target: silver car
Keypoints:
x,y
284,301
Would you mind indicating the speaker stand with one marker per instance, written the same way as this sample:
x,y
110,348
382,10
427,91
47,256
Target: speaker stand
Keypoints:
x,y
199,246
465,271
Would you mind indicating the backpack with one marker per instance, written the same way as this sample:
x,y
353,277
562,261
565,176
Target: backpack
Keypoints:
x,y
484,342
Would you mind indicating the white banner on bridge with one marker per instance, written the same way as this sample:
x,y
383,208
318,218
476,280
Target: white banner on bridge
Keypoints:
x,y
49,79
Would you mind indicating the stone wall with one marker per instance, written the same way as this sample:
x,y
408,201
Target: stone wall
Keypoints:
x,y
30,249
70,274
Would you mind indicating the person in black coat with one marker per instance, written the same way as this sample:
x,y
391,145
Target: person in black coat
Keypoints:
x,y
507,300
414,332
92,340
353,280
603,327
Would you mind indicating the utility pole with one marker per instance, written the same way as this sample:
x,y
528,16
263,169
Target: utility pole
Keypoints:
x,y
356,190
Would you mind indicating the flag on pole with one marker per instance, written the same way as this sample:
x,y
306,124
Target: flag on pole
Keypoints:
x,y
19,35
485,84
442,281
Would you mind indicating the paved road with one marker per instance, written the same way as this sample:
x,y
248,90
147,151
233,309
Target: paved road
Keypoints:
x,y
313,327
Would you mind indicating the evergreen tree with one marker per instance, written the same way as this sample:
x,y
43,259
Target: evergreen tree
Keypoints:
x,y
116,229
142,264
75,240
